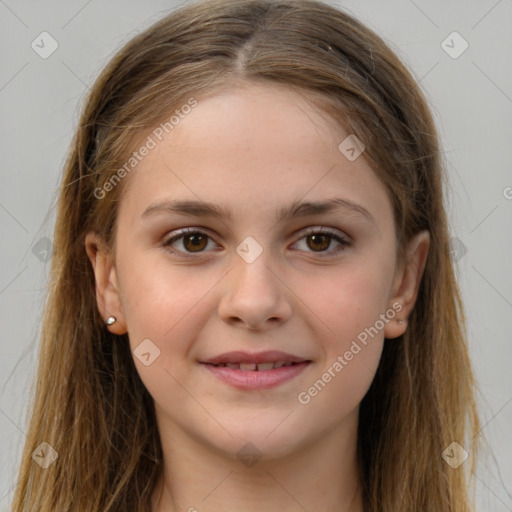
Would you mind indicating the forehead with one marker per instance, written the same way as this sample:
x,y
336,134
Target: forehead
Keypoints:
x,y
258,143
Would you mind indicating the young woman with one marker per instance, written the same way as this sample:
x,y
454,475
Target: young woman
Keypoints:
x,y
252,303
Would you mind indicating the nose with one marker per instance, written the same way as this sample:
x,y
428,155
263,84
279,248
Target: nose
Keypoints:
x,y
254,296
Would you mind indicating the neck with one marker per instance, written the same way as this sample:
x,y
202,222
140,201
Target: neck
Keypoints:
x,y
321,476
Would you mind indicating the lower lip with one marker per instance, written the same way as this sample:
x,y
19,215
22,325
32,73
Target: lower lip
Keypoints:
x,y
243,379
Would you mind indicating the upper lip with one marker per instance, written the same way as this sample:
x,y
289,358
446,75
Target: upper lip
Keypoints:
x,y
269,356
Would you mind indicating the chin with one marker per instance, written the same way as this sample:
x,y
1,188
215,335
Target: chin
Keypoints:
x,y
259,441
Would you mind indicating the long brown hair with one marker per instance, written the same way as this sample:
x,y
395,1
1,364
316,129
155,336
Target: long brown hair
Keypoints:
x,y
90,404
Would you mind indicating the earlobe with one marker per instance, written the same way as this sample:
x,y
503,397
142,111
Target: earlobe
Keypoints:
x,y
407,283
107,293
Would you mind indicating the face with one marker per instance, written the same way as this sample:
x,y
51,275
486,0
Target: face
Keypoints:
x,y
319,285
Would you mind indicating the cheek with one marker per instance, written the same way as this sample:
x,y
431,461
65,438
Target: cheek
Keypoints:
x,y
162,303
339,387
168,307
350,304
348,300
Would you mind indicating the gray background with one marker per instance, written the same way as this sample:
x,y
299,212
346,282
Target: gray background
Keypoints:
x,y
471,97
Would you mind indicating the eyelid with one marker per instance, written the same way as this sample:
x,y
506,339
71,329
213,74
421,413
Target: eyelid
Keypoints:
x,y
336,234
344,240
181,233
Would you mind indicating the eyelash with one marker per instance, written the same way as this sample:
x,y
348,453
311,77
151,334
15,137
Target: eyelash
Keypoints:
x,y
344,243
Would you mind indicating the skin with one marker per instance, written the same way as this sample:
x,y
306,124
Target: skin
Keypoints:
x,y
254,149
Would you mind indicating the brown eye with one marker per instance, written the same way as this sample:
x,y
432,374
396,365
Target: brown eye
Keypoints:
x,y
194,242
188,241
319,242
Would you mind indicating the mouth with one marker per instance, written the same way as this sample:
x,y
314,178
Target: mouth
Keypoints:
x,y
255,367
239,357
248,371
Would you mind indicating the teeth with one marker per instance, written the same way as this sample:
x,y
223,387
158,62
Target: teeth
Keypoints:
x,y
265,366
255,366
248,366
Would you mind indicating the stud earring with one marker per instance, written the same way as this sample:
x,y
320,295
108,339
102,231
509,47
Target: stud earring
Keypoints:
x,y
400,321
111,320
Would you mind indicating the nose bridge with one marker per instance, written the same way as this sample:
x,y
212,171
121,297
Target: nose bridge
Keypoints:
x,y
253,266
254,293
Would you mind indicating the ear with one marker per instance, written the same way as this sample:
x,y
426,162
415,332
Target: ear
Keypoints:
x,y
407,282
107,290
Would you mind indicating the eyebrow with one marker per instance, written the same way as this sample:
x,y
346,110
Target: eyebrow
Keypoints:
x,y
296,209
